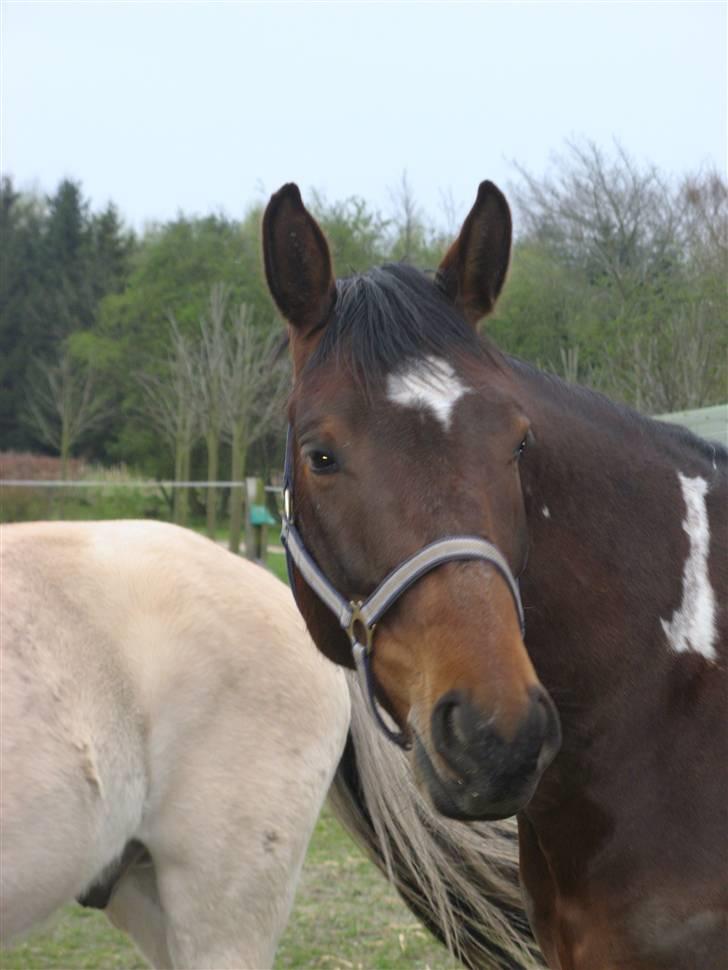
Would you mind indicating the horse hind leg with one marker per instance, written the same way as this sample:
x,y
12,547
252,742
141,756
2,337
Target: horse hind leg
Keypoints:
x,y
136,909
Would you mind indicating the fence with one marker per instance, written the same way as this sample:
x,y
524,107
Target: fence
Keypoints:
x,y
711,423
258,518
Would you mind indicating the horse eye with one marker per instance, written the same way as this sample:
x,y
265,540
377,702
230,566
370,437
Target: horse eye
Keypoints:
x,y
321,462
521,448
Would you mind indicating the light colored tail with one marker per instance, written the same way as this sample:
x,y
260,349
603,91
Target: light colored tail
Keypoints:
x,y
460,879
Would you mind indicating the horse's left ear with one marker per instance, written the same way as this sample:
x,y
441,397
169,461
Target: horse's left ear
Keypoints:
x,y
474,269
297,266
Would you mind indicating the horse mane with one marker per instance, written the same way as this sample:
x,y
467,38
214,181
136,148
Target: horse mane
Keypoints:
x,y
594,405
460,880
391,315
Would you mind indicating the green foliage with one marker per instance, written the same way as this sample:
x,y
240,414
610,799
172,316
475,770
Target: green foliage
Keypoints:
x,y
618,276
545,307
174,269
113,498
625,271
357,236
58,261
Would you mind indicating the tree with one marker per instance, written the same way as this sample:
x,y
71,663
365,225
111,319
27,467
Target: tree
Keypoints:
x,y
57,261
64,405
255,387
22,299
408,223
174,266
212,355
357,235
630,261
170,403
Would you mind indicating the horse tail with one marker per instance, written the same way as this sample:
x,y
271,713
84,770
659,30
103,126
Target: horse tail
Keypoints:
x,y
460,880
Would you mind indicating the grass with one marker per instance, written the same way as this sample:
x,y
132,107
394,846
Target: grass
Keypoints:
x,y
346,917
77,939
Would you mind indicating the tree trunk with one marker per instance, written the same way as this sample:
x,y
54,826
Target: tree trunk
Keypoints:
x,y
213,452
178,473
184,499
237,471
65,459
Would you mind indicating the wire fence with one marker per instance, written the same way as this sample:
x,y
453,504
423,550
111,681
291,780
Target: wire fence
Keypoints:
x,y
103,483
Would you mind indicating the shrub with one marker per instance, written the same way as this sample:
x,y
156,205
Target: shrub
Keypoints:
x,y
114,498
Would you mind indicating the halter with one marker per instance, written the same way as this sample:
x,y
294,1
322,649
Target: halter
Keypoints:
x,y
359,618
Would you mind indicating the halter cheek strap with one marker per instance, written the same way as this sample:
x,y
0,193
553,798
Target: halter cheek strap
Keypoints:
x,y
359,618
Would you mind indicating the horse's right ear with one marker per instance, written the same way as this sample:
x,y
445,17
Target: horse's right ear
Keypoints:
x,y
297,263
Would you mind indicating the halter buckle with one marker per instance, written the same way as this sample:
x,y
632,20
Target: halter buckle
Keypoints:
x,y
358,623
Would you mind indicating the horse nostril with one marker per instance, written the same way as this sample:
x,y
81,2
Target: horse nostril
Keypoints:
x,y
448,727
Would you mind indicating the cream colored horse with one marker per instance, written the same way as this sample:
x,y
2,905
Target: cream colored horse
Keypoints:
x,y
156,688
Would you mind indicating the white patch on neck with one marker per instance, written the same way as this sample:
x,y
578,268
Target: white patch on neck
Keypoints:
x,y
692,626
432,385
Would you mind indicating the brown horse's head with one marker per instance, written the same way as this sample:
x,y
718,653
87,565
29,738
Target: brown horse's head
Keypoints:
x,y
406,428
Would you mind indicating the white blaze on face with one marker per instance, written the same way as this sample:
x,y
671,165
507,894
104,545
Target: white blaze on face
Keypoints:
x,y
430,385
692,626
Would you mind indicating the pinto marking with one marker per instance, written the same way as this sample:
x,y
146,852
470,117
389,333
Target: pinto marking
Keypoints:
x,y
692,626
430,385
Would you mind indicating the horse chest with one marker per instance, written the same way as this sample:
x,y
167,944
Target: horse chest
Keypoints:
x,y
611,915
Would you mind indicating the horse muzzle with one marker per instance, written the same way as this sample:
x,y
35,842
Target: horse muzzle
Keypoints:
x,y
479,774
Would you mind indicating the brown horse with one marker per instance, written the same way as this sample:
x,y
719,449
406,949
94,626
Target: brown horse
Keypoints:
x,y
406,427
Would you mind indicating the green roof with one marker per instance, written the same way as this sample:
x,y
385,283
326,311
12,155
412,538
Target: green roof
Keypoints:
x,y
710,423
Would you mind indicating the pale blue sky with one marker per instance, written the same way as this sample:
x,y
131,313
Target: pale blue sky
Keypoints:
x,y
208,106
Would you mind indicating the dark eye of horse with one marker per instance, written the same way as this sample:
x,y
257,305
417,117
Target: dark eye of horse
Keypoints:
x,y
518,454
321,462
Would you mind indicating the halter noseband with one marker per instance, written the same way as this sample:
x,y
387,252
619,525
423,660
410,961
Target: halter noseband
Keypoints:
x,y
359,618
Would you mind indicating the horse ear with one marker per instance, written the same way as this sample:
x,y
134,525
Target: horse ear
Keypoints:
x,y
474,269
297,263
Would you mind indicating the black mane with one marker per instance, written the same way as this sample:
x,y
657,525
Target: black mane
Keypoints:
x,y
390,315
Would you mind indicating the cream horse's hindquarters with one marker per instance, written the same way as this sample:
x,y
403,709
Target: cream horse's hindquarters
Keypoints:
x,y
189,710
72,761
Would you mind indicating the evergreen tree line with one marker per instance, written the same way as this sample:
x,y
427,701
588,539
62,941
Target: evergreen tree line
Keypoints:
x,y
157,348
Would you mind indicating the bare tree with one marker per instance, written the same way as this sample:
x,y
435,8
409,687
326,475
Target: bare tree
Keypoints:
x,y
63,405
607,214
648,259
451,215
210,382
171,404
255,389
570,363
706,220
407,221
678,369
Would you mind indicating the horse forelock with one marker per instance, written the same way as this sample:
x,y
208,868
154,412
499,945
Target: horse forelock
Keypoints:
x,y
390,317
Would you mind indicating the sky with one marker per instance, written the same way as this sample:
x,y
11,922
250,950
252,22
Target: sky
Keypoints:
x,y
203,107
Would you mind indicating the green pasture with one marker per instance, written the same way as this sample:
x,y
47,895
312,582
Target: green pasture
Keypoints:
x,y
346,917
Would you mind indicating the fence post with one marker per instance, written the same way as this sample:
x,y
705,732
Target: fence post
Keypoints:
x,y
252,487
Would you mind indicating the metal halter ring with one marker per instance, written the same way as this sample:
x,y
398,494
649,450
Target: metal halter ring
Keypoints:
x,y
357,620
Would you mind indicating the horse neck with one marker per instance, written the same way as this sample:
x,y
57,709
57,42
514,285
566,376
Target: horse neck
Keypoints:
x,y
606,515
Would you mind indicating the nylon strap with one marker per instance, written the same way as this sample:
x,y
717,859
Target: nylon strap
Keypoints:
x,y
447,549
